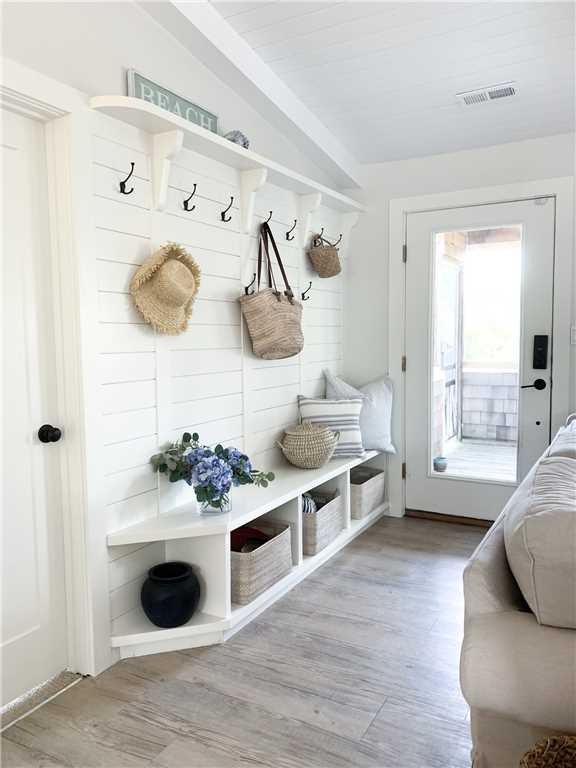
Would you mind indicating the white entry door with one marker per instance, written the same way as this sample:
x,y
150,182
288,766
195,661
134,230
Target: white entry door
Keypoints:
x,y
34,636
479,297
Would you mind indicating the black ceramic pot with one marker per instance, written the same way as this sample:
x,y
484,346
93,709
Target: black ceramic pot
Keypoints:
x,y
170,594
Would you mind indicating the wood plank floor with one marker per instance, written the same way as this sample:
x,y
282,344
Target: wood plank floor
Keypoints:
x,y
357,666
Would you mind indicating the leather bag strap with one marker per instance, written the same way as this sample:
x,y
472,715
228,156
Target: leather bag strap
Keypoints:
x,y
266,235
271,280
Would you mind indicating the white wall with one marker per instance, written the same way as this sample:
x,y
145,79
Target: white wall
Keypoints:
x,y
366,294
154,387
91,45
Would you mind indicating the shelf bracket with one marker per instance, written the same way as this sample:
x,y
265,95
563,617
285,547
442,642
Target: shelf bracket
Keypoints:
x,y
250,183
349,221
165,146
308,205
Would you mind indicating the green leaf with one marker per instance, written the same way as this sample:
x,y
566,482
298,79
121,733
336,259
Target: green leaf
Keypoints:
x,y
195,437
264,483
271,476
186,437
175,476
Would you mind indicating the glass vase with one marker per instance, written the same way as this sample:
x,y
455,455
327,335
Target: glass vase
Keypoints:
x,y
210,508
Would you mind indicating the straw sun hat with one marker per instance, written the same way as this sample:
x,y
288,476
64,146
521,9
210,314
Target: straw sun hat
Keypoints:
x,y
164,288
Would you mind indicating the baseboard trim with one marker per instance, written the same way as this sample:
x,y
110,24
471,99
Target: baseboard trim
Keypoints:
x,y
16,710
449,518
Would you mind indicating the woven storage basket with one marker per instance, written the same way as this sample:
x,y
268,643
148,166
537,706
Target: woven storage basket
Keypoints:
x,y
324,257
253,572
309,446
322,526
366,490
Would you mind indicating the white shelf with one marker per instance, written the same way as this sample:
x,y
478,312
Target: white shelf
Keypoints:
x,y
133,634
243,613
150,118
134,627
248,503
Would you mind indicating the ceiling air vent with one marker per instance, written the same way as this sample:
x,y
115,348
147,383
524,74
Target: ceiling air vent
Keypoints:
x,y
488,93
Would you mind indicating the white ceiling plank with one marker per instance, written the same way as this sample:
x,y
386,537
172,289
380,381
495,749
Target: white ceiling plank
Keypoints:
x,y
264,14
227,9
404,65
382,76
201,29
512,63
546,80
458,22
410,145
353,35
328,15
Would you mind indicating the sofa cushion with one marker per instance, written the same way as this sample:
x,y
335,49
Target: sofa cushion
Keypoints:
x,y
540,539
564,444
520,671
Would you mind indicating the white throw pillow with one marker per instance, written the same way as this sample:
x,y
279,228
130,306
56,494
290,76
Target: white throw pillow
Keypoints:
x,y
341,416
376,416
540,538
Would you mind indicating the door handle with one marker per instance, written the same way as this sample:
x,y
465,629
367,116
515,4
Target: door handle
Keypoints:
x,y
538,384
49,434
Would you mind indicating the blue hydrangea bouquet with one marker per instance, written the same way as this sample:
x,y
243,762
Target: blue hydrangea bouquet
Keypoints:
x,y
212,472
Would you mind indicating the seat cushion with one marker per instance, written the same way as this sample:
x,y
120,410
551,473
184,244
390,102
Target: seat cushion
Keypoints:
x,y
540,539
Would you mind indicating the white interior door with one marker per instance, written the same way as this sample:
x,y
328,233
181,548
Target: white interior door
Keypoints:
x,y
479,299
34,637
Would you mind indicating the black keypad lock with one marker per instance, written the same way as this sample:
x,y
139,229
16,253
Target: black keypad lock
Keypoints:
x,y
540,353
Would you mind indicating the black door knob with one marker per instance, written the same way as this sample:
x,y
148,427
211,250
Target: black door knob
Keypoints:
x,y
49,434
538,384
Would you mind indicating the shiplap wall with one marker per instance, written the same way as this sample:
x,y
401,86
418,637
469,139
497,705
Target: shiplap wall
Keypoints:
x,y
154,387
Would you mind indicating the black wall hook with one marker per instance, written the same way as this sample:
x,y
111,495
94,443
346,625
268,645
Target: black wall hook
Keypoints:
x,y
338,241
186,203
223,213
304,297
289,236
247,290
269,219
123,189
321,232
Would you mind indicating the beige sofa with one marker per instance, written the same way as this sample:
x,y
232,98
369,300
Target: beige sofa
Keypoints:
x,y
517,672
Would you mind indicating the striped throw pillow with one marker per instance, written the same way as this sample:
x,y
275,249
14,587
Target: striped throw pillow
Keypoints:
x,y
340,416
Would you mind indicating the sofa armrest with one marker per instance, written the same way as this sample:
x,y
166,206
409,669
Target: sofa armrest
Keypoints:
x,y
489,586
517,669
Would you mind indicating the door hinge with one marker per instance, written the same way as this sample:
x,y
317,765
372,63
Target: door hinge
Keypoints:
x,y
403,363
403,470
404,253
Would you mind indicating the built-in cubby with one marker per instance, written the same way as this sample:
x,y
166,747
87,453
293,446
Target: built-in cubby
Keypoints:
x,y
204,542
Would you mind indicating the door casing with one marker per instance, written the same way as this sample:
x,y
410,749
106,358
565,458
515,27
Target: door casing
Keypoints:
x,y
564,361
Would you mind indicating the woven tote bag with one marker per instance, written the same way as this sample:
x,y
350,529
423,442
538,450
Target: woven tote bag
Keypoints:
x,y
324,257
273,318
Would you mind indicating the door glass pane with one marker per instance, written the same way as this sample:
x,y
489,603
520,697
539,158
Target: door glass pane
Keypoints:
x,y
476,353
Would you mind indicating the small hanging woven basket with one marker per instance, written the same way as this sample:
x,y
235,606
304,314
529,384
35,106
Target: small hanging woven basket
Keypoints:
x,y
324,257
309,446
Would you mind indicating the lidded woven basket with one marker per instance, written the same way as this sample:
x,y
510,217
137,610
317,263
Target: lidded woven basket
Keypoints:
x,y
309,446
